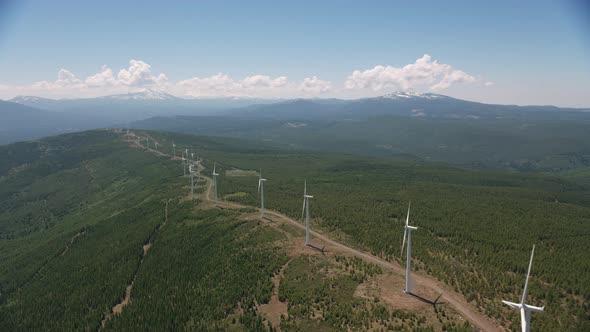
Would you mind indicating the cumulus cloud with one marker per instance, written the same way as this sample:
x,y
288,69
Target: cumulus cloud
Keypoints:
x,y
222,85
139,73
424,73
103,78
263,81
315,85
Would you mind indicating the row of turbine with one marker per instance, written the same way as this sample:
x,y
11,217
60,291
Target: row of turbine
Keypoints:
x,y
525,309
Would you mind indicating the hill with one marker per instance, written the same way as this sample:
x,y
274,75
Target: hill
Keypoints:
x,y
19,122
532,143
98,234
476,228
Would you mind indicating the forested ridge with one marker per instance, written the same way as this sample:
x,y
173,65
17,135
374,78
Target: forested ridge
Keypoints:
x,y
476,228
77,210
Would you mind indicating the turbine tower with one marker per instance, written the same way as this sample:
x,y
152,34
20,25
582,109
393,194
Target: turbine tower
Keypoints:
x,y
183,168
525,309
174,149
305,210
190,160
198,170
185,165
215,182
261,191
190,170
408,232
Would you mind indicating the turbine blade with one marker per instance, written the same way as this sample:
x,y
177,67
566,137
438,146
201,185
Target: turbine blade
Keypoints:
x,y
512,304
305,187
259,185
408,216
526,283
535,309
403,242
303,209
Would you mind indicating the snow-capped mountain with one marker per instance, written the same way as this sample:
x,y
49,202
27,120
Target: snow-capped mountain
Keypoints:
x,y
27,99
146,94
411,94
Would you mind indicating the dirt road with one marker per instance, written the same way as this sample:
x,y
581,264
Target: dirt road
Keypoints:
x,y
455,299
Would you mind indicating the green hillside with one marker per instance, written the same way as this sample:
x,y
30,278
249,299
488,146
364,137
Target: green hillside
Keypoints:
x,y
476,228
85,215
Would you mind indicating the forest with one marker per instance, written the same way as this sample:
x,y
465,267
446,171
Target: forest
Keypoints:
x,y
79,209
476,228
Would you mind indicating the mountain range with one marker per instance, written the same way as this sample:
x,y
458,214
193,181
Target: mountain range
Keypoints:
x,y
401,124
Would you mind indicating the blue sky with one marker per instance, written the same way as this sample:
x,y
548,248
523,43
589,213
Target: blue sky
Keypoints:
x,y
525,52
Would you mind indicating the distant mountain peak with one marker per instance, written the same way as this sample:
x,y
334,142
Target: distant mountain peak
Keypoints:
x,y
146,94
411,94
25,99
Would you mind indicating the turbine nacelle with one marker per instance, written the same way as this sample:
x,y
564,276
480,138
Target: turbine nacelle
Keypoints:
x,y
524,308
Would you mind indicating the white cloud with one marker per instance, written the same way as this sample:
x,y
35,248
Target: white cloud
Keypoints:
x,y
488,83
315,86
139,73
263,81
103,78
222,85
424,74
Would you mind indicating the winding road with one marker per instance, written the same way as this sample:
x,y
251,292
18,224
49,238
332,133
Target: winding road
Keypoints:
x,y
453,298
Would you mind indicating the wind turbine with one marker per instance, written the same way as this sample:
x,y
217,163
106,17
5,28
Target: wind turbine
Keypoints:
x,y
261,191
183,167
408,232
198,170
174,149
525,309
185,159
215,181
190,160
190,170
305,210
156,144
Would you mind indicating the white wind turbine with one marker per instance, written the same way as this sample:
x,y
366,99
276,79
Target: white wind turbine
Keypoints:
x,y
185,160
198,170
215,181
174,149
305,210
408,232
156,144
190,170
525,309
191,160
261,191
